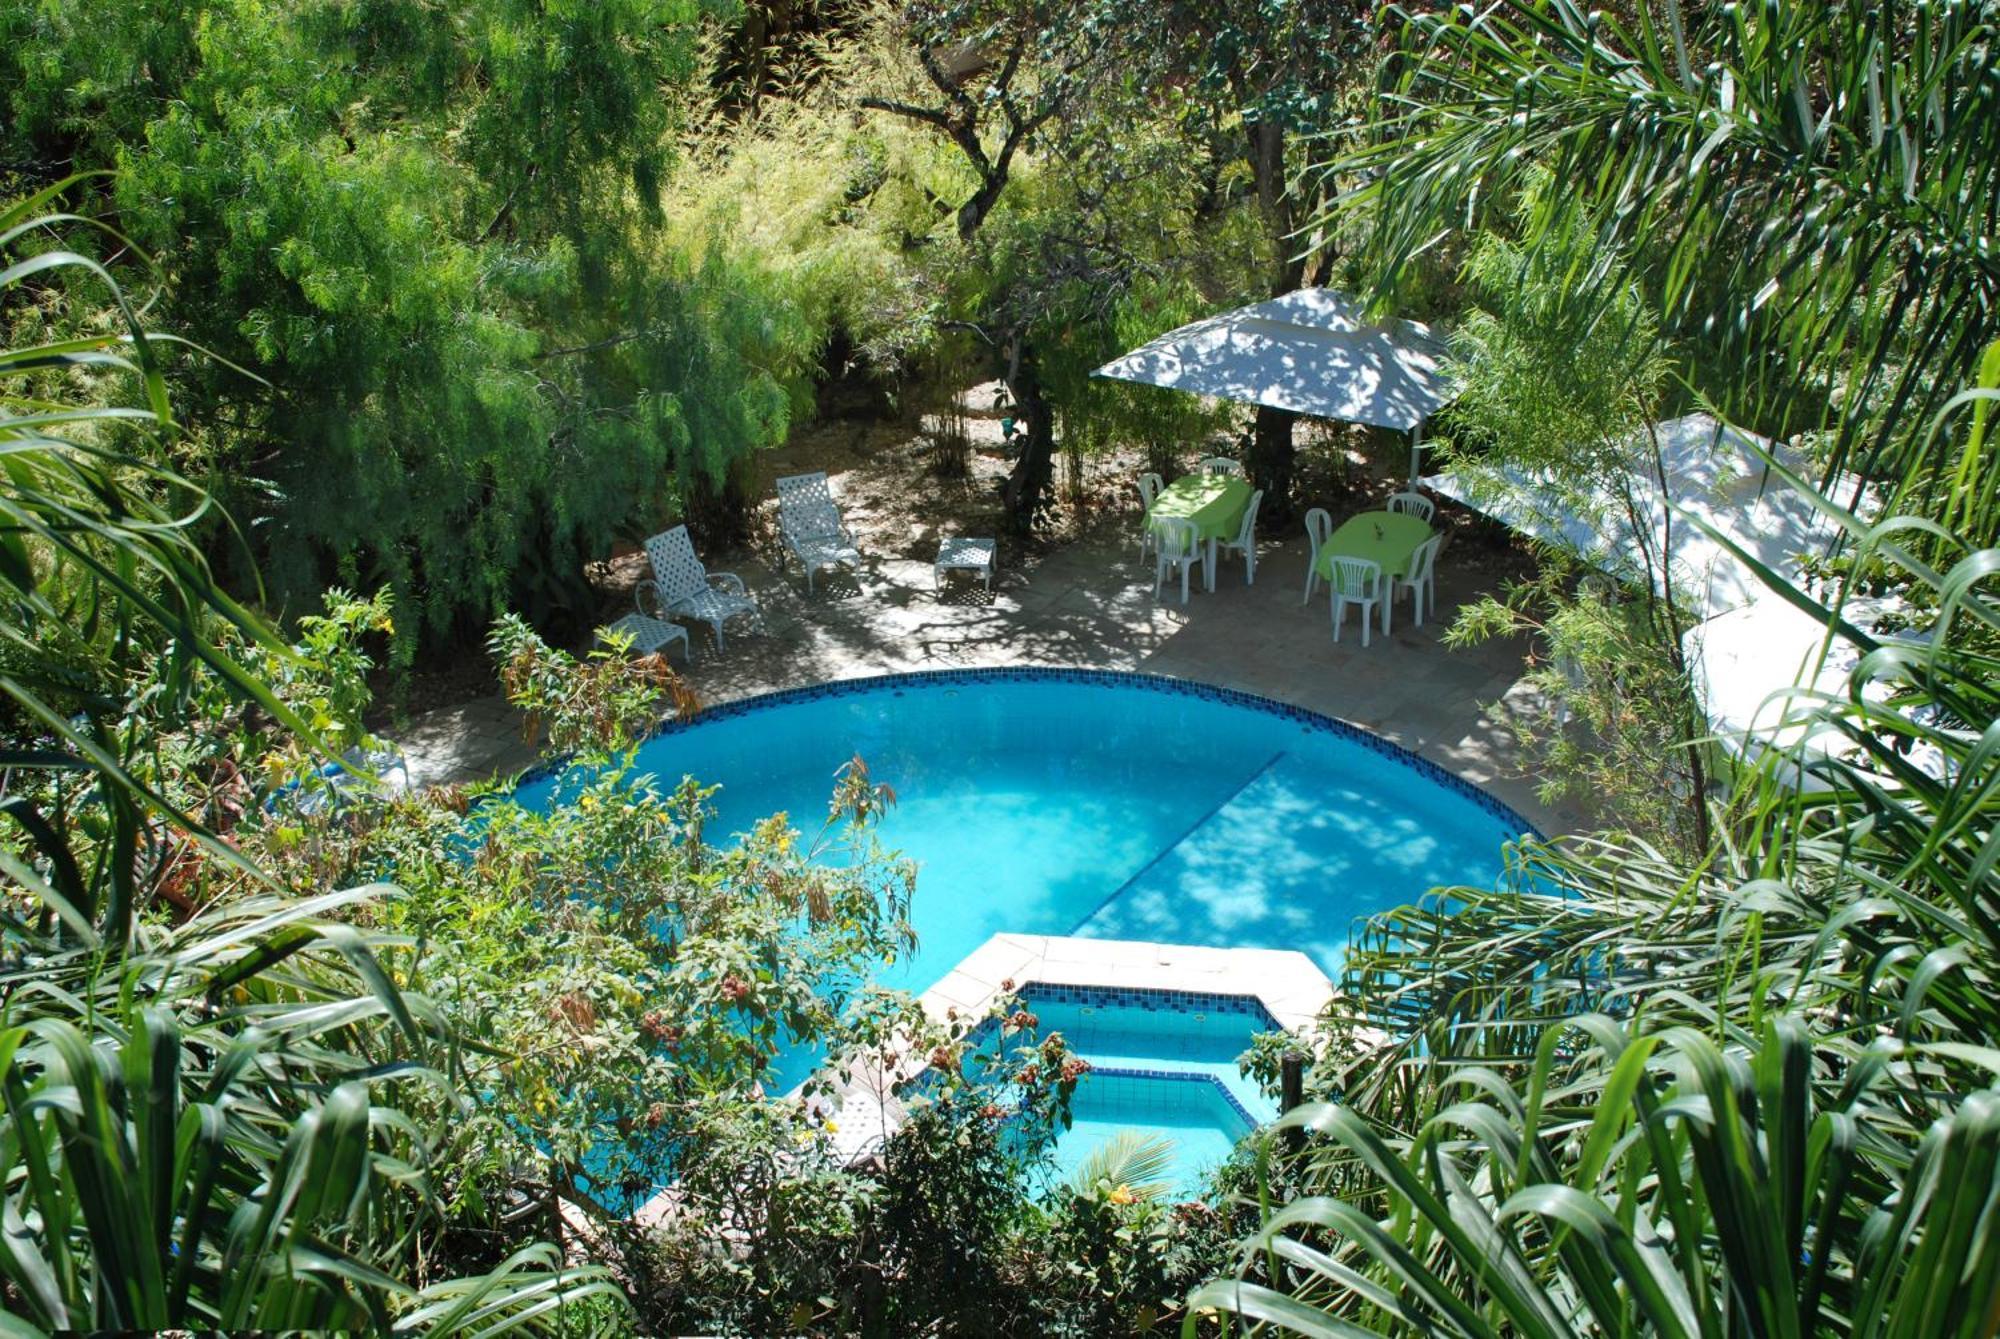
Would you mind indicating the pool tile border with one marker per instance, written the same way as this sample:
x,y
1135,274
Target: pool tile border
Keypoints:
x,y
1152,999
1158,683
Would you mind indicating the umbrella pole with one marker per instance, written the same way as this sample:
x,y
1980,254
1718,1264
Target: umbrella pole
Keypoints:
x,y
1416,446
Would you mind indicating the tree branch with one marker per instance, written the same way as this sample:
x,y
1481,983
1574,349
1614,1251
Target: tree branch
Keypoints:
x,y
928,115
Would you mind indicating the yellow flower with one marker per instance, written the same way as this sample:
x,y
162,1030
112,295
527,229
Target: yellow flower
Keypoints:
x,y
1123,1195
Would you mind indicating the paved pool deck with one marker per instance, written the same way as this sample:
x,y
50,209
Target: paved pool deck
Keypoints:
x,y
1090,604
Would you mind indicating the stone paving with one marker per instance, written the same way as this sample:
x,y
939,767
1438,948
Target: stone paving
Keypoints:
x,y
1089,604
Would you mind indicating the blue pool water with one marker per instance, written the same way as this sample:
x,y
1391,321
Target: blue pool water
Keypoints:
x,y
1193,1114
1161,1065
1113,806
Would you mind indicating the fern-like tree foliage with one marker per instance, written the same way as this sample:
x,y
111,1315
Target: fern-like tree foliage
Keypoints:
x,y
434,236
208,1115
1813,186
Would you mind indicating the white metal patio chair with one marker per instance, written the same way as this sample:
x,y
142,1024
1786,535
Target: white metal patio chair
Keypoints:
x,y
1421,581
1220,465
1176,543
1354,581
1319,525
682,588
1413,504
811,525
1246,539
1149,488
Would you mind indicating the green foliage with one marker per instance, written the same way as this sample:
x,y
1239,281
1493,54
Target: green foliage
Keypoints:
x,y
928,1227
1743,1083
1095,1264
228,1152
612,974
1972,503
1549,380
602,704
223,1118
1560,384
1615,726
1665,1140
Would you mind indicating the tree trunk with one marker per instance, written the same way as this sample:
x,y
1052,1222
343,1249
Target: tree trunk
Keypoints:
x,y
1271,452
1027,485
1271,459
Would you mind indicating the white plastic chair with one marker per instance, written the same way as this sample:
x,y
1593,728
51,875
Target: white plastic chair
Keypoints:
x,y
1176,543
1421,578
1149,488
1413,504
1220,465
682,588
1319,525
1246,539
1354,581
811,525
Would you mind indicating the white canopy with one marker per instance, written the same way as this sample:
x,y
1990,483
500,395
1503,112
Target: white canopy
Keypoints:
x,y
1310,352
1711,472
1744,662
1757,669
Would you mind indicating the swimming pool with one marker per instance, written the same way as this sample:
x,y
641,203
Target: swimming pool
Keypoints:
x,y
1104,805
1162,1063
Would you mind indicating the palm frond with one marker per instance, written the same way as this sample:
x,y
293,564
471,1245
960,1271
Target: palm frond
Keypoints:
x,y
1139,1164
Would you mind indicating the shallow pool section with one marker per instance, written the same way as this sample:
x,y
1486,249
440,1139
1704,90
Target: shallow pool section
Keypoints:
x,y
1162,1062
1104,805
1192,1112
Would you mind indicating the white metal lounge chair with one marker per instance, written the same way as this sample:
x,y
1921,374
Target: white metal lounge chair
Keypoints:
x,y
1355,581
1149,488
1176,543
811,525
1413,504
1421,582
1221,465
1246,539
1319,525
682,588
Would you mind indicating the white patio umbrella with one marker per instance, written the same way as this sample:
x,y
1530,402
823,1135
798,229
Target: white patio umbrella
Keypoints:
x,y
1311,352
1711,472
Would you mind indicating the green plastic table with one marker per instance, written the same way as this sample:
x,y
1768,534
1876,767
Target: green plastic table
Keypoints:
x,y
1214,502
1389,538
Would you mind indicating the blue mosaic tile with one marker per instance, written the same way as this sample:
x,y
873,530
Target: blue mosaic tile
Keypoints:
x,y
1151,1000
1155,683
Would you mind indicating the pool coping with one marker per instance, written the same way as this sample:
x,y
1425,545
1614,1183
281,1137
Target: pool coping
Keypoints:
x,y
1289,985
860,685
